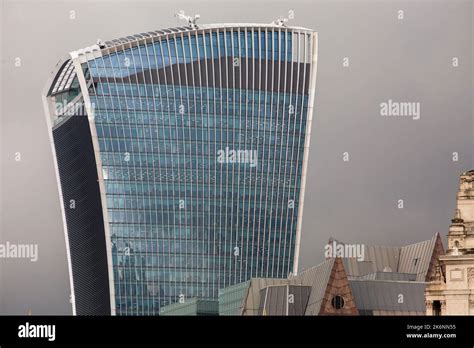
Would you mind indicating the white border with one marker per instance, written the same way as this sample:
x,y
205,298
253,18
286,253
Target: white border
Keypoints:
x,y
311,93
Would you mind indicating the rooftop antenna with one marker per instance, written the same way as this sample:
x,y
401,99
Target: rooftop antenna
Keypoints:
x,y
191,20
100,43
281,22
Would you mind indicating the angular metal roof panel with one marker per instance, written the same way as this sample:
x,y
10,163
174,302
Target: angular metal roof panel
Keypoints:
x,y
252,301
378,295
232,299
416,258
395,276
275,300
356,268
383,257
317,277
192,306
412,259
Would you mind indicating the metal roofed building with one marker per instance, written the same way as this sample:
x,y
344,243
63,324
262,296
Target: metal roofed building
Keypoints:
x,y
418,259
309,293
192,307
181,159
389,281
388,297
245,298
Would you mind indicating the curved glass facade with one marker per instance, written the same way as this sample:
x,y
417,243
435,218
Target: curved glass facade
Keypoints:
x,y
201,135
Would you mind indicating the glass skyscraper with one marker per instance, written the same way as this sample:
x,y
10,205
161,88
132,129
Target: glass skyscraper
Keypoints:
x,y
181,158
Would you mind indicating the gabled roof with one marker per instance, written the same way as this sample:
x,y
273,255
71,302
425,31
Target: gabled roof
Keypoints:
x,y
376,259
317,277
389,281
415,258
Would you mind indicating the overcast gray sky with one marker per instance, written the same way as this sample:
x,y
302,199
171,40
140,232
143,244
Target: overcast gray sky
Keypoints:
x,y
390,158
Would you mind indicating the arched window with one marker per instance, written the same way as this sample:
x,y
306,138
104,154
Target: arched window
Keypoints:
x,y
337,302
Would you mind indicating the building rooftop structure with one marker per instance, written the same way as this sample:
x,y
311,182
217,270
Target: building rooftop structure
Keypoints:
x,y
418,258
192,306
106,47
388,297
389,281
181,29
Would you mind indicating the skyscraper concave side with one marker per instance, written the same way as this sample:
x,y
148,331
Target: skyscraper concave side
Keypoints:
x,y
181,158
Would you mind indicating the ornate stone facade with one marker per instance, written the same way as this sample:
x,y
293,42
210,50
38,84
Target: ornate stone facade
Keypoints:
x,y
451,290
